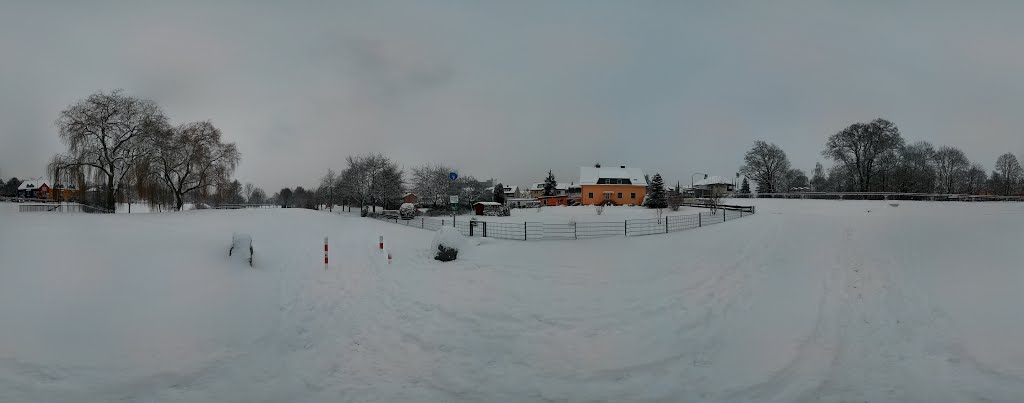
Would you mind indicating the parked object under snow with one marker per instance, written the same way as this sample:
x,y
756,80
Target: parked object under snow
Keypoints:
x,y
241,242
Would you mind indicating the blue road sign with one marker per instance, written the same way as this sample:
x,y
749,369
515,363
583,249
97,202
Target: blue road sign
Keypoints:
x,y
453,176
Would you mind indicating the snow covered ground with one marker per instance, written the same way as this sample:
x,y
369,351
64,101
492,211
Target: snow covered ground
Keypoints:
x,y
805,301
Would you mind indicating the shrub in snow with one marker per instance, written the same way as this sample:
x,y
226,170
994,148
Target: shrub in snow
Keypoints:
x,y
447,243
241,242
407,211
599,208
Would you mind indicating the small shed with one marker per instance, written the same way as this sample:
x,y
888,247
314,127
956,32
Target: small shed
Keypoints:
x,y
410,198
483,208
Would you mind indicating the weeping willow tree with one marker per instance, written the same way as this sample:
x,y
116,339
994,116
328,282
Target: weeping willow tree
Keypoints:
x,y
107,135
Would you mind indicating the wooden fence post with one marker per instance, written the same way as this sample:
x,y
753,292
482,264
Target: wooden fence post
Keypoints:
x,y
699,223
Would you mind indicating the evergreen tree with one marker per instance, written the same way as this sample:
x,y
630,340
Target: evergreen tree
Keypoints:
x,y
657,198
499,193
745,187
550,185
818,180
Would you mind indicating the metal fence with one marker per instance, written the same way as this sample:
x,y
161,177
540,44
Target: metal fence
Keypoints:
x,y
530,231
877,196
60,208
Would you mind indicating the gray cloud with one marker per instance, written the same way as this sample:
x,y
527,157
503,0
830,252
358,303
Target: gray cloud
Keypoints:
x,y
510,90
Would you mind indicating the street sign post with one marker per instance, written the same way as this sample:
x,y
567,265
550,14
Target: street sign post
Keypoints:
x,y
453,199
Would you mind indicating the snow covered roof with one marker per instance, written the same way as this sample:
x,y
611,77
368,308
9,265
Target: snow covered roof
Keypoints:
x,y
32,184
409,194
488,203
591,175
713,180
508,189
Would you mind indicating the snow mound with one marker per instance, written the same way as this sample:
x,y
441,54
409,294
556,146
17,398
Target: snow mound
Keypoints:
x,y
450,238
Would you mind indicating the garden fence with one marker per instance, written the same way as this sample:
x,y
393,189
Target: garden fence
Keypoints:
x,y
531,231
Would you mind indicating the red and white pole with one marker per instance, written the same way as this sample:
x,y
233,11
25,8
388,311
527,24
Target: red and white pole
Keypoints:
x,y
382,243
325,253
389,257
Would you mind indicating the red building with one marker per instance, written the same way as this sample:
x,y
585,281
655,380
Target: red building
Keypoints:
x,y
554,200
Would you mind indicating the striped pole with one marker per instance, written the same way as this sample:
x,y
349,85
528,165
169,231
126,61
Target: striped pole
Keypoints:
x,y
382,243
389,257
325,253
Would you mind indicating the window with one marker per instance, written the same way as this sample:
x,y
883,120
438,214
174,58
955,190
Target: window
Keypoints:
x,y
590,195
607,195
620,195
632,195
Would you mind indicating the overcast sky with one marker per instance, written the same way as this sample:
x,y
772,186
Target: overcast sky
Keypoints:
x,y
511,89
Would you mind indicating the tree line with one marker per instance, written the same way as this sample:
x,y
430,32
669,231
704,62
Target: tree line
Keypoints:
x,y
874,157
120,147
372,181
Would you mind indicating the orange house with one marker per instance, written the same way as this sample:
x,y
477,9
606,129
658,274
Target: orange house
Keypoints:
x,y
616,186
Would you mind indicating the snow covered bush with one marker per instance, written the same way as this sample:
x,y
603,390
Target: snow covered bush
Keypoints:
x,y
447,242
599,208
407,211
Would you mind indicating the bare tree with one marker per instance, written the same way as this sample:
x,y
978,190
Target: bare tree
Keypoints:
x,y
258,196
1010,173
193,157
915,171
767,165
859,146
328,189
430,182
795,178
247,191
951,165
107,134
976,178
714,199
372,179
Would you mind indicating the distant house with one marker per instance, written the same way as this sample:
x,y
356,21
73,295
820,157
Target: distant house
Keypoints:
x,y
706,186
537,190
554,200
34,189
612,185
511,192
409,198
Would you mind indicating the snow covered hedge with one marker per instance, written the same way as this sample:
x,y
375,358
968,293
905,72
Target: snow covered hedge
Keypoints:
x,y
447,242
407,211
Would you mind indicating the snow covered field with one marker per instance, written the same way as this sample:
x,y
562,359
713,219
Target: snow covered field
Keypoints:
x,y
805,301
